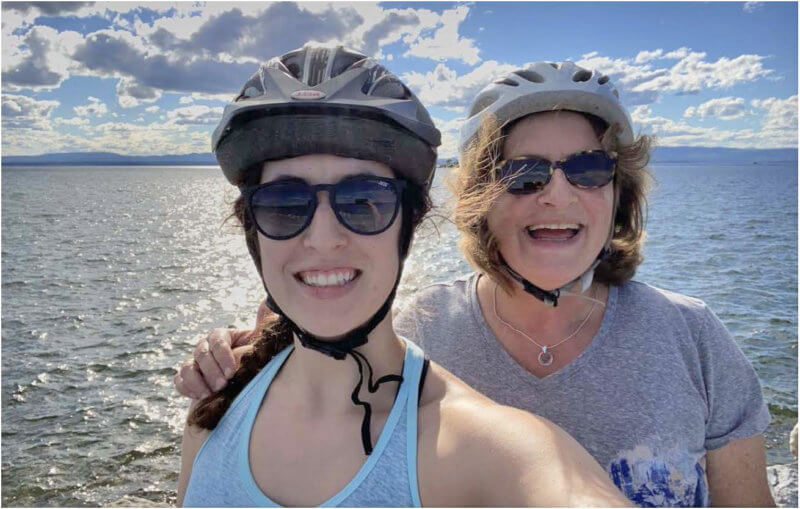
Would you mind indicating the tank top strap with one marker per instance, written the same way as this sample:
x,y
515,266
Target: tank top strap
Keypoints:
x,y
416,357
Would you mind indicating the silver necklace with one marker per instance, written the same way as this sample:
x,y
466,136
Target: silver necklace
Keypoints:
x,y
545,356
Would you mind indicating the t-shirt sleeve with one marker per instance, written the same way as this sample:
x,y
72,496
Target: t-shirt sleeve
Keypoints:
x,y
736,407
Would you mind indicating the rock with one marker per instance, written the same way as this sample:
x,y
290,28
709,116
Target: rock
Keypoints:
x,y
783,483
131,501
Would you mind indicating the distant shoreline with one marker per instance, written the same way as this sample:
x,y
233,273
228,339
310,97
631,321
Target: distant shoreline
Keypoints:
x,y
686,155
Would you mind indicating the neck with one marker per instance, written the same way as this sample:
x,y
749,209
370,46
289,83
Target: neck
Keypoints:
x,y
550,325
323,384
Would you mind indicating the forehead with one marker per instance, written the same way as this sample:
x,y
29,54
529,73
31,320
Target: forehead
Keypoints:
x,y
322,168
552,134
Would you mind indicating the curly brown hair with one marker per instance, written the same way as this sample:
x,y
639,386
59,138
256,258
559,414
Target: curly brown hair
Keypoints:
x,y
275,332
476,188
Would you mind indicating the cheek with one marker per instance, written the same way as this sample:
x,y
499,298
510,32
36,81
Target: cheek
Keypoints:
x,y
273,255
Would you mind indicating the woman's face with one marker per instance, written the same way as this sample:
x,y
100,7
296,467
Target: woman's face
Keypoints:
x,y
552,236
328,279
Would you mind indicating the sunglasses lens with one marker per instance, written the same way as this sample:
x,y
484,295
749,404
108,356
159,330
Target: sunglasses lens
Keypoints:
x,y
591,169
281,210
526,175
366,206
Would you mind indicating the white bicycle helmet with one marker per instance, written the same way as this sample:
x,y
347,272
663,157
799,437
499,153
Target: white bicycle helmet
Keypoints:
x,y
546,86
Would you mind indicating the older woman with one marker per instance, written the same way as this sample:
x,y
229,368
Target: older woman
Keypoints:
x,y
550,203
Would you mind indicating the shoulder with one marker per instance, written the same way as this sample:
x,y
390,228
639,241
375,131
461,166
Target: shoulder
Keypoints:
x,y
441,294
664,307
434,309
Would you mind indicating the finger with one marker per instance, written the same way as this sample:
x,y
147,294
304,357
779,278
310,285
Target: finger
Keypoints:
x,y
177,380
209,369
193,382
222,352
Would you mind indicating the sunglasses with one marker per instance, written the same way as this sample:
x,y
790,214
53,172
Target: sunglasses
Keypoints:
x,y
365,205
587,170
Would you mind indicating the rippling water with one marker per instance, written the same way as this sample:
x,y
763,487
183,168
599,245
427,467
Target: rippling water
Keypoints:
x,y
110,275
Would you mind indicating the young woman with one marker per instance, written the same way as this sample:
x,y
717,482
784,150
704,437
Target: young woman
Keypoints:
x,y
550,203
334,156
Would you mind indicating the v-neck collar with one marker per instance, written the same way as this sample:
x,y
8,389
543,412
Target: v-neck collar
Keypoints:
x,y
515,369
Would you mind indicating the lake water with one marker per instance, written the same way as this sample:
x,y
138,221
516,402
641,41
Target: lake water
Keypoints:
x,y
110,275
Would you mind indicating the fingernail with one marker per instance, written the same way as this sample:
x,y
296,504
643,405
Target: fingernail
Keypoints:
x,y
219,384
206,394
229,372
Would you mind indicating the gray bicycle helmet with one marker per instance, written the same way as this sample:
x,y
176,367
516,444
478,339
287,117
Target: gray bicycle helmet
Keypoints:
x,y
545,86
321,99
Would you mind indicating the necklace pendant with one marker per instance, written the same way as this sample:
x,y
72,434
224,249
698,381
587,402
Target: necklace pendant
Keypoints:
x,y
545,358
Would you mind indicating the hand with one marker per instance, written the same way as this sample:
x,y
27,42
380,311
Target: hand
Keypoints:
x,y
216,359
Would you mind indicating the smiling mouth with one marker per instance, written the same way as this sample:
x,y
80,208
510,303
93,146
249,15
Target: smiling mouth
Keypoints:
x,y
327,278
558,232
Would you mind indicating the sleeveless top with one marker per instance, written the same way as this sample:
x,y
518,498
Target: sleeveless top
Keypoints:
x,y
221,475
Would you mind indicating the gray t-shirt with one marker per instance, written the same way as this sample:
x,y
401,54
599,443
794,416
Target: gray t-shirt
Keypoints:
x,y
661,382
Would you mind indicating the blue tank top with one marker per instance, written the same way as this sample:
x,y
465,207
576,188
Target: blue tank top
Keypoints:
x,y
221,475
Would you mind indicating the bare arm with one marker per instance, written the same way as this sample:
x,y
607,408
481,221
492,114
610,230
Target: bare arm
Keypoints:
x,y
737,474
474,452
542,465
193,439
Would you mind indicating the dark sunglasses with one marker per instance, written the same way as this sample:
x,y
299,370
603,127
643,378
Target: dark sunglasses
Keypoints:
x,y
588,170
365,205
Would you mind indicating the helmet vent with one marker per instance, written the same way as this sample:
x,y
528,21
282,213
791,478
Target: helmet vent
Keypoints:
x,y
389,86
483,102
602,80
616,94
582,75
507,81
533,77
553,65
253,88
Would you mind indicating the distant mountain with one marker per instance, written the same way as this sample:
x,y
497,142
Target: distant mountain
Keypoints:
x,y
660,155
109,159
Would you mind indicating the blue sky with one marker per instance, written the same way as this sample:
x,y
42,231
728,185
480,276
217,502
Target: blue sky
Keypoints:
x,y
153,77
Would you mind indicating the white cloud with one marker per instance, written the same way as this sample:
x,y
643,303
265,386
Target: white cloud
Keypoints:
x,y
446,43
187,99
96,107
444,87
76,121
21,111
197,114
151,109
679,133
752,6
723,108
646,56
39,59
781,114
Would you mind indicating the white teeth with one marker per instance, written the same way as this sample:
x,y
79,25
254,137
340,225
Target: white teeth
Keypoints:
x,y
554,226
337,278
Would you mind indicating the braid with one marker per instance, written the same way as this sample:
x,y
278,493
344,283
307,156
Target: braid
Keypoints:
x,y
275,336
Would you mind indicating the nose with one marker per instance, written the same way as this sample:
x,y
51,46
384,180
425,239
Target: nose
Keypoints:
x,y
558,192
325,233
